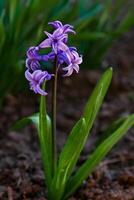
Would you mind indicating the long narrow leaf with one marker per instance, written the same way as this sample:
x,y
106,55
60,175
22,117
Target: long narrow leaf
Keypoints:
x,y
30,119
126,23
95,101
98,155
73,147
2,33
12,9
45,142
88,16
90,36
27,120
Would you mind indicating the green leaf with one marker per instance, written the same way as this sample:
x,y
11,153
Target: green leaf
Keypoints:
x,y
73,147
126,23
91,36
2,33
30,119
98,155
95,101
45,138
60,11
27,120
12,9
2,3
104,17
118,5
88,16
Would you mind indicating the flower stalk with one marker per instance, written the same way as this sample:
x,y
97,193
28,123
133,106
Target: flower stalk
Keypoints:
x,y
54,109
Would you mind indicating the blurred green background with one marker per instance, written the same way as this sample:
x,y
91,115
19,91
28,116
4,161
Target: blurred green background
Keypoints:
x,y
22,22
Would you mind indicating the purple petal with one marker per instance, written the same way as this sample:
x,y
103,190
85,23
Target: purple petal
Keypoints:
x,y
48,76
37,75
58,32
32,52
46,43
62,57
40,91
62,46
35,65
63,37
28,75
68,67
28,63
75,54
78,60
55,24
68,29
72,48
44,57
55,47
69,73
45,76
76,67
49,35
51,55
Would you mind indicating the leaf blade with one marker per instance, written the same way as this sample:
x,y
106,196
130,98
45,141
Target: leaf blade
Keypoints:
x,y
97,156
66,164
27,120
45,138
95,101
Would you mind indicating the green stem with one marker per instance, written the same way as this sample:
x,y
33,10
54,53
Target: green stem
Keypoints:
x,y
54,99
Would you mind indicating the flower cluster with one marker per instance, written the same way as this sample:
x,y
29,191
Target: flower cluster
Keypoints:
x,y
67,57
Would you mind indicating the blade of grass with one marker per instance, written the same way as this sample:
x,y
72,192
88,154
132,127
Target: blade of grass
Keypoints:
x,y
12,10
126,23
88,16
90,36
2,33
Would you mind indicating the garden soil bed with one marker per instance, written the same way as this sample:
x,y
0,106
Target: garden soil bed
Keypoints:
x,y
21,175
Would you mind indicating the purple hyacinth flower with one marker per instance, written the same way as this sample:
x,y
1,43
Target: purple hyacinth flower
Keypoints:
x,y
67,57
36,79
33,58
67,28
55,40
73,60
